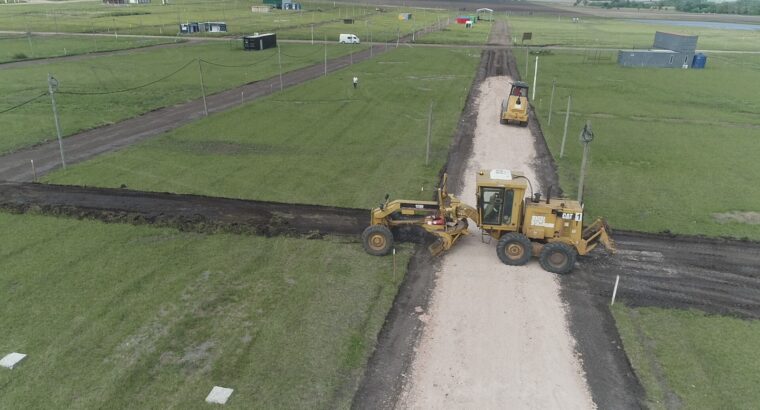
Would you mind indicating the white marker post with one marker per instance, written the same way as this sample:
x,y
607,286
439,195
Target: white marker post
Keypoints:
x,y
564,134
535,77
394,264
614,291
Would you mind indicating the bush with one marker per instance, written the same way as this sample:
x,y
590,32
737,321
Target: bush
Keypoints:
x,y
20,56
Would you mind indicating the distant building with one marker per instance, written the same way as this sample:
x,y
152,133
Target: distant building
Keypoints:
x,y
405,16
668,51
126,1
210,27
283,4
260,41
260,9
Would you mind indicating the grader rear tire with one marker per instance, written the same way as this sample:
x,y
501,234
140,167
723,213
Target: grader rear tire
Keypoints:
x,y
514,249
558,258
377,240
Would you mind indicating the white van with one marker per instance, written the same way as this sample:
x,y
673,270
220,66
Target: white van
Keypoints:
x,y
348,39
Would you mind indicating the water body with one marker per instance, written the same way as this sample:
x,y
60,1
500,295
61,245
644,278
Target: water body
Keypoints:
x,y
702,24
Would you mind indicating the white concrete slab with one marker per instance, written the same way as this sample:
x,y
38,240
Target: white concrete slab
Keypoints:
x,y
11,360
219,395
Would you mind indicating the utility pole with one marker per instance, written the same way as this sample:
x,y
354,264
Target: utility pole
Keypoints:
x,y
325,55
312,34
430,128
52,87
203,88
586,137
527,62
279,61
564,134
551,102
535,77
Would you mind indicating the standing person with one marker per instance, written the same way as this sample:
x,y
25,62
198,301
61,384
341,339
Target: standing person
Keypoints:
x,y
356,81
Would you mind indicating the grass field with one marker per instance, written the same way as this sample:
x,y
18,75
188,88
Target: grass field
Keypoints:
x,y
157,19
596,32
321,142
673,149
692,360
23,47
458,34
228,66
120,316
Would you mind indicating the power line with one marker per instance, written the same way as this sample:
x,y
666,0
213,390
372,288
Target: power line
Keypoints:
x,y
132,88
237,66
305,55
22,104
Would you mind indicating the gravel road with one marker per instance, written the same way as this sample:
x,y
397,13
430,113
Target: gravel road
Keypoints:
x,y
495,334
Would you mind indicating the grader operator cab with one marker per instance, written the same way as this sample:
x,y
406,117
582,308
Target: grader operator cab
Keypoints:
x,y
515,106
551,229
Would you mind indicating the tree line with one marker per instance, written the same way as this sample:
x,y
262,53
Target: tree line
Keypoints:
x,y
745,7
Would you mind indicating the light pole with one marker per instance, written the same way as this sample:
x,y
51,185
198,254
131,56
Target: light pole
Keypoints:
x,y
52,87
587,135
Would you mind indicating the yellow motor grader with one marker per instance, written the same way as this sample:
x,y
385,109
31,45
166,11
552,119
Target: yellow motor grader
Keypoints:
x,y
551,229
515,106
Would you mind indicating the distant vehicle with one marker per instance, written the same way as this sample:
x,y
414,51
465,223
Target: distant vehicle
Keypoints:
x,y
348,39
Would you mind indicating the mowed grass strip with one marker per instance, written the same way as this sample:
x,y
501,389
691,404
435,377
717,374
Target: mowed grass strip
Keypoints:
x,y
163,19
673,150
455,33
120,316
628,34
690,359
158,19
33,123
19,47
321,142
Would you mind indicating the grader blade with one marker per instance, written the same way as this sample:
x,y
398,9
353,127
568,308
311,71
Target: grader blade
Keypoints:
x,y
597,232
437,247
447,238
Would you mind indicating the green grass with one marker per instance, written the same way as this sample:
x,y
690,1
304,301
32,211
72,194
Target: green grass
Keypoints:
x,y
598,32
34,47
120,316
708,362
457,34
33,123
321,142
157,19
672,147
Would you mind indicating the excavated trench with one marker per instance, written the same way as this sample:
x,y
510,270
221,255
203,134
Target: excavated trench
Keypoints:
x,y
184,212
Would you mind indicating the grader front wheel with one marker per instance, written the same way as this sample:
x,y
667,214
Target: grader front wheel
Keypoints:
x,y
377,240
558,258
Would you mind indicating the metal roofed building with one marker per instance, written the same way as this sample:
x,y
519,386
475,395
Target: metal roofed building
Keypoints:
x,y
668,51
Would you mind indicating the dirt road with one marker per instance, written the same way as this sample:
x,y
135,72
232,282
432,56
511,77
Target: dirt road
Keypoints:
x,y
495,334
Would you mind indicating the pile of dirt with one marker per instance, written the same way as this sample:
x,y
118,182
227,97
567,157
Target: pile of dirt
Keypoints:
x,y
185,212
